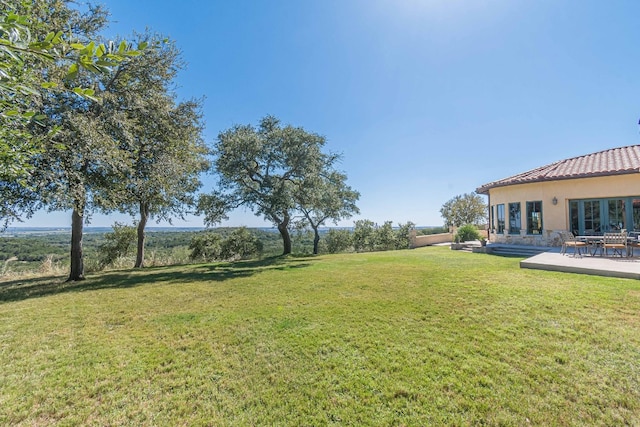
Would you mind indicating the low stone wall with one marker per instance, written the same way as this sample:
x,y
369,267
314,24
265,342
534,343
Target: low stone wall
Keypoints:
x,y
548,238
430,239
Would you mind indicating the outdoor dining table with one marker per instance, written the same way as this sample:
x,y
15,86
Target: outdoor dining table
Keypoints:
x,y
595,243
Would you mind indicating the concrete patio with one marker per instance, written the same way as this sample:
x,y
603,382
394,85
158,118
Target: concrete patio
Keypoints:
x,y
550,259
623,267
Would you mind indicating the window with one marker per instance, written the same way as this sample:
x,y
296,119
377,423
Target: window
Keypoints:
x,y
534,217
575,217
515,220
617,220
493,218
636,214
592,217
500,218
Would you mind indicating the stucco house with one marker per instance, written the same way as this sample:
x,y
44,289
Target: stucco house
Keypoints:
x,y
589,194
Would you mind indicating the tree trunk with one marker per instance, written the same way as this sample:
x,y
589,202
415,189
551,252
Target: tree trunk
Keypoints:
x,y
316,240
283,228
144,217
77,262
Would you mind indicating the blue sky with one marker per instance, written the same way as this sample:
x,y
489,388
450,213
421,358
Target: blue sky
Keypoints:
x,y
425,99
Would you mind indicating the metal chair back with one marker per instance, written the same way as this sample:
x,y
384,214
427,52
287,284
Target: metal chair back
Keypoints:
x,y
615,241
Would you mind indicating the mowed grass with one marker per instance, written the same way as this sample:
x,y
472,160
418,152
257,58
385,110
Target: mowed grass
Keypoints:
x,y
421,337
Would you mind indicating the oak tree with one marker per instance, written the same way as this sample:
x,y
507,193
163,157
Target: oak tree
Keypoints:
x,y
264,167
464,209
79,154
323,198
160,137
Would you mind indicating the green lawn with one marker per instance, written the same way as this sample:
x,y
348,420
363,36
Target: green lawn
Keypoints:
x,y
421,337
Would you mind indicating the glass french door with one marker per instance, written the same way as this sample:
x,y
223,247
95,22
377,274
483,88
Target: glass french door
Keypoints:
x,y
597,216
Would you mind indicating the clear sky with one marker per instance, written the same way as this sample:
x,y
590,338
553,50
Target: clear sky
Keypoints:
x,y
425,99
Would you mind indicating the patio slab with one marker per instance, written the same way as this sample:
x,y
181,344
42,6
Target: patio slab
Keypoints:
x,y
628,268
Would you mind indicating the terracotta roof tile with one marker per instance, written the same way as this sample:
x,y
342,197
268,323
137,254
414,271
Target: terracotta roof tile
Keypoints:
x,y
615,161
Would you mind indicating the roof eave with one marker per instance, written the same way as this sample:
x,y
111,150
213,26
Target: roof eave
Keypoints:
x,y
485,188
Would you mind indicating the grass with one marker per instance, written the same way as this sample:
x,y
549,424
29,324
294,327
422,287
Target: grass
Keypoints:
x,y
422,337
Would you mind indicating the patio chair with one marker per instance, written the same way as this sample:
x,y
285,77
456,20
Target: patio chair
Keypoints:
x,y
615,241
569,241
633,242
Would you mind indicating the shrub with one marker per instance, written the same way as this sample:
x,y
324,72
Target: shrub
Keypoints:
x,y
385,237
364,235
403,235
205,246
336,241
432,230
210,246
241,243
468,232
118,243
368,236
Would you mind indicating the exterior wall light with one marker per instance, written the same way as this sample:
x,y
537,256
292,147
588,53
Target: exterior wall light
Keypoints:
x,y
554,200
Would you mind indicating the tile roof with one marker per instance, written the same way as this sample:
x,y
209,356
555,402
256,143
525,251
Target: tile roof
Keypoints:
x,y
615,161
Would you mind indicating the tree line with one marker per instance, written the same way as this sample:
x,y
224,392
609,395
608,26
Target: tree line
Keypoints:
x,y
91,125
47,253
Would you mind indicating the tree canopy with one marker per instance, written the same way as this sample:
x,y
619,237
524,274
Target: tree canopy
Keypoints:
x,y
67,155
34,35
464,209
323,198
269,168
159,137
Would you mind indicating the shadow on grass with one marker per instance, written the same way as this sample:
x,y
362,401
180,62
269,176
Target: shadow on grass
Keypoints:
x,y
18,290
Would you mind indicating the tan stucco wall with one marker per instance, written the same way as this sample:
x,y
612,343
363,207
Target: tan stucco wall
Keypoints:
x,y
556,217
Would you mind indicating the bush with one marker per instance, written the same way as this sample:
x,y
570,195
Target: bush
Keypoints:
x,y
364,235
337,241
403,235
432,230
210,246
468,232
385,237
206,246
367,236
240,244
118,243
